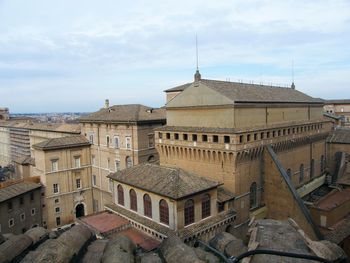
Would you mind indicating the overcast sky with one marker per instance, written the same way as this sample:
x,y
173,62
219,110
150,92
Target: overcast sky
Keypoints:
x,y
71,55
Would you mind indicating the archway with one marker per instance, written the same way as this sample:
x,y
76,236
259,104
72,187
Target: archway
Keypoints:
x,y
79,210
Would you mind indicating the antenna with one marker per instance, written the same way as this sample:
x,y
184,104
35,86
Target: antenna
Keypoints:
x,y
292,70
196,51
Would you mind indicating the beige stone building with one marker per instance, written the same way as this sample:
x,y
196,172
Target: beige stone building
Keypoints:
x,y
219,129
64,167
339,108
121,136
4,113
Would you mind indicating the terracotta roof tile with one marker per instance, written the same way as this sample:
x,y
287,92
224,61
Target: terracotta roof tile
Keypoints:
x,y
340,135
63,142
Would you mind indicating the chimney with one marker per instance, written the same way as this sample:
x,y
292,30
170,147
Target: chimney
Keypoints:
x,y
197,76
107,103
293,85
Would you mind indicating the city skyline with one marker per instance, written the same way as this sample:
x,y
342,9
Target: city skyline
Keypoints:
x,y
59,57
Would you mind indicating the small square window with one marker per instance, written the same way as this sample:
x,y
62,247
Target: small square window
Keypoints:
x,y
185,137
194,137
176,136
215,138
57,200
204,138
227,139
168,135
57,209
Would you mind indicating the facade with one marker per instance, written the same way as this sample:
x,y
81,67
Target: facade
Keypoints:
x,y
164,201
218,130
4,114
121,136
339,108
20,206
64,167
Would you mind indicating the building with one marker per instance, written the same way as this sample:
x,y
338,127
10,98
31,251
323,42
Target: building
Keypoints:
x,y
339,108
166,201
64,167
121,136
20,206
219,130
4,114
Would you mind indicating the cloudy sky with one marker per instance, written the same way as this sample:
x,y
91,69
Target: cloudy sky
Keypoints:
x,y
70,55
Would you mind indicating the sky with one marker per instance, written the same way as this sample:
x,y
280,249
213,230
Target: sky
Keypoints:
x,y
61,56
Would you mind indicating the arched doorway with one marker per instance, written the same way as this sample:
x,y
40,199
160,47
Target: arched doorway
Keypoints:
x,y
79,210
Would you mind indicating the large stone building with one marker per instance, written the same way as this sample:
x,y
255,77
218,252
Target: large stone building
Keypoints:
x,y
20,206
121,136
339,108
64,167
4,114
219,130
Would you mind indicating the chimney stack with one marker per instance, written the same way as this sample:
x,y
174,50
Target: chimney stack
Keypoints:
x,y
107,103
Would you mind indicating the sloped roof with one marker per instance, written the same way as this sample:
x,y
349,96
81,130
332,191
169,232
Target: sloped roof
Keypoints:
x,y
179,88
52,127
63,142
340,135
126,113
235,92
171,182
337,101
14,190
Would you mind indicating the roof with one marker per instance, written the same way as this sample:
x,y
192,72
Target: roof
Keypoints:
x,y
63,142
179,88
342,101
103,222
24,160
340,135
339,231
174,183
53,127
224,195
126,113
333,200
332,116
235,92
17,189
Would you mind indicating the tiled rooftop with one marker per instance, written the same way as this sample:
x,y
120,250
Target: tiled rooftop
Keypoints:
x,y
333,200
104,222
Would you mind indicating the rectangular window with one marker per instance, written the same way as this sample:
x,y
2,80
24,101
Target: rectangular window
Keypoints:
x,y
279,132
274,134
9,205
215,138
204,138
94,180
262,136
21,200
54,165
150,141
31,196
116,142
168,135
77,161
56,188
227,139
248,137
160,135
11,222
128,142
117,165
91,138
240,138
176,136
58,221
32,212
185,137
78,183
57,201
22,216
268,134
93,159
107,140
194,137
57,209
255,136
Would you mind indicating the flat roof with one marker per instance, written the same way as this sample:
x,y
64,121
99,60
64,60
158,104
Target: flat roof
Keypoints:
x,y
333,200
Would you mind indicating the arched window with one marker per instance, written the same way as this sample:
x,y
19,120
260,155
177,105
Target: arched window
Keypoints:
x,y
189,212
289,173
164,212
252,195
301,175
128,162
133,200
147,205
205,205
312,168
120,191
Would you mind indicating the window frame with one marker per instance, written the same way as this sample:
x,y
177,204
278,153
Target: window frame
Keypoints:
x,y
147,205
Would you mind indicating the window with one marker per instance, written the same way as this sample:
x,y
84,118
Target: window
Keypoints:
x,y
110,185
128,142
248,137
120,192
221,207
116,142
252,195
91,138
273,133
57,201
215,138
176,136
240,138
133,200
261,135
227,139
93,159
185,137
204,138
268,135
54,165
194,137
32,212
22,216
189,212
94,180
21,200
78,183
77,161
164,212
160,135
31,196
301,175
58,221
56,188
117,165
128,162
11,222
279,132
167,135
147,205
57,209
205,205
255,136
107,140
150,140
284,131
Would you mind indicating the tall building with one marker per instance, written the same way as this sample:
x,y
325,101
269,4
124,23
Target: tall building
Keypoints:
x,y
219,130
121,136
